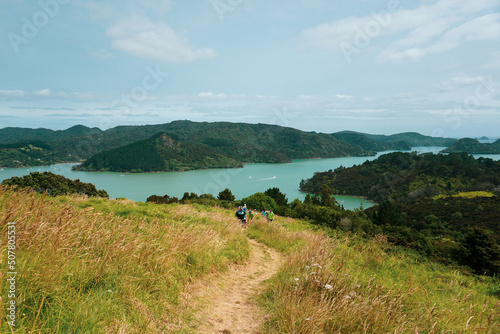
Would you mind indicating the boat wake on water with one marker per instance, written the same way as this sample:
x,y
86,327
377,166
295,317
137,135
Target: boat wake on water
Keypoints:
x,y
268,178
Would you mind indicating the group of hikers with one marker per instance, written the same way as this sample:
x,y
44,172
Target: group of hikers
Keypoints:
x,y
241,214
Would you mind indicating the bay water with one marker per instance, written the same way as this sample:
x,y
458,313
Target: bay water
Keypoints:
x,y
242,182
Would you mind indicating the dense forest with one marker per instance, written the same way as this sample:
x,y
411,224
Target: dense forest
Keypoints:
x,y
244,142
410,176
159,153
443,206
401,141
241,141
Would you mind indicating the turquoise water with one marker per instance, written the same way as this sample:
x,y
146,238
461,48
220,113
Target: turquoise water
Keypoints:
x,y
243,182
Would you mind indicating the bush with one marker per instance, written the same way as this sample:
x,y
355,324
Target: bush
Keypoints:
x,y
54,185
259,201
226,195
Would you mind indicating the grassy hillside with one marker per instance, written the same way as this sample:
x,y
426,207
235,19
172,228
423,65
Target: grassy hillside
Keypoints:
x,y
339,284
98,266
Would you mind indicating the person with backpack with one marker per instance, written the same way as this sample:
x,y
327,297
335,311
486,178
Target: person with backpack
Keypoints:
x,y
241,215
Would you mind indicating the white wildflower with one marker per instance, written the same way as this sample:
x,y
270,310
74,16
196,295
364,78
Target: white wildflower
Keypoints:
x,y
328,287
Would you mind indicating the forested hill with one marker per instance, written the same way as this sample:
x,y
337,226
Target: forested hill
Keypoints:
x,y
244,142
159,153
410,176
473,146
399,141
365,142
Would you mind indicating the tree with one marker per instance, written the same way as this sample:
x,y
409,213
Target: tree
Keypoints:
x,y
226,195
326,196
277,195
482,252
387,214
260,201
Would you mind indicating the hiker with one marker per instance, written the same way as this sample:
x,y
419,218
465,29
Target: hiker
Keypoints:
x,y
241,215
250,215
270,216
264,213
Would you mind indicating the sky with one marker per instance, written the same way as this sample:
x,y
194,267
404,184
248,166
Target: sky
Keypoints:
x,y
380,67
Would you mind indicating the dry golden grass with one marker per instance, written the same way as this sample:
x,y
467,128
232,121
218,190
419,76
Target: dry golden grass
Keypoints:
x,y
100,272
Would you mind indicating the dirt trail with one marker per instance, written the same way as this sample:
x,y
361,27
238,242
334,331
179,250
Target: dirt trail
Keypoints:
x,y
230,306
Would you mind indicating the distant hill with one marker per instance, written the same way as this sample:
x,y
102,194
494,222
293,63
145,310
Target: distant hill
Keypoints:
x,y
244,142
367,143
27,153
413,138
473,146
161,152
258,143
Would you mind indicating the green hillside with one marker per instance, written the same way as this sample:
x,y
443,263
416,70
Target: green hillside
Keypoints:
x,y
159,153
472,146
410,176
27,153
367,143
413,138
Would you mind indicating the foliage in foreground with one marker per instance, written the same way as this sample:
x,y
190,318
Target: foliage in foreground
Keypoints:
x,y
342,284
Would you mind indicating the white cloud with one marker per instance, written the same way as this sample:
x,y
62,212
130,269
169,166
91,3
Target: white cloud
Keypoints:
x,y
43,92
459,81
265,97
341,96
12,93
486,27
451,22
210,95
143,38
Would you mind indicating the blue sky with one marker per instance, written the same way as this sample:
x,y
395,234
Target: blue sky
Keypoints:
x,y
390,66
